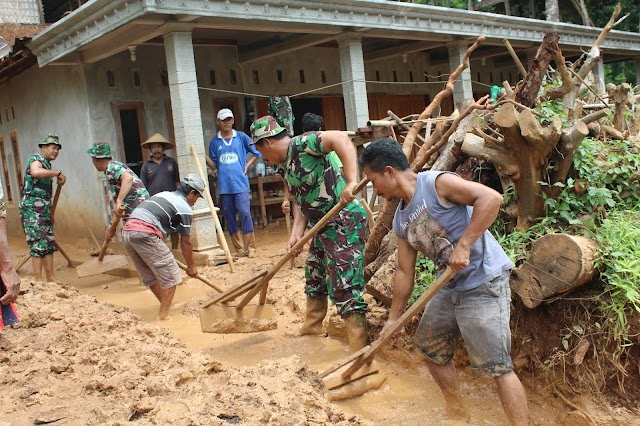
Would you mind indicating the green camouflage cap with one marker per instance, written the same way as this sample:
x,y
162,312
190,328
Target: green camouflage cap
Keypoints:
x,y
100,150
50,139
265,127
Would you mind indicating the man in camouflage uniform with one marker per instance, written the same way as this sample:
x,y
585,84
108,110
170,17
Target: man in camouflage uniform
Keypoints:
x,y
35,206
125,185
279,107
335,263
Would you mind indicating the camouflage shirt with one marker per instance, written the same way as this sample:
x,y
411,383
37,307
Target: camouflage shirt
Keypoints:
x,y
136,195
38,188
313,178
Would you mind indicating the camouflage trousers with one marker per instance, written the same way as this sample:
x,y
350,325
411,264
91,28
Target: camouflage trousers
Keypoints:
x,y
35,214
335,263
279,107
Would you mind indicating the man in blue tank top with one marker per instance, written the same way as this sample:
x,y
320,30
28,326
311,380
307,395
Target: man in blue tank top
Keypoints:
x,y
446,218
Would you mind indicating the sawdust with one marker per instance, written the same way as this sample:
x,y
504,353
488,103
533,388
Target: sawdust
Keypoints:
x,y
75,360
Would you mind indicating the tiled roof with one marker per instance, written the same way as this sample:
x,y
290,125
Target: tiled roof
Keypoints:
x,y
11,32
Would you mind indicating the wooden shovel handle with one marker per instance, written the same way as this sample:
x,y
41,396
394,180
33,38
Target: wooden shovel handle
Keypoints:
x,y
112,230
201,278
55,200
404,319
301,242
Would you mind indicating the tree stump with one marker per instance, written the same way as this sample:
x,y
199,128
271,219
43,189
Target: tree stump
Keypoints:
x,y
558,263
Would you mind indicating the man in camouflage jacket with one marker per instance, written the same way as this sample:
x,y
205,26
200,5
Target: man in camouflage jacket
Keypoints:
x,y
125,185
335,263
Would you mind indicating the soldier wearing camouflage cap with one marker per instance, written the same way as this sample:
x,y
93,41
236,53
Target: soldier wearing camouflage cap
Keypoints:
x,y
35,206
166,213
126,187
335,263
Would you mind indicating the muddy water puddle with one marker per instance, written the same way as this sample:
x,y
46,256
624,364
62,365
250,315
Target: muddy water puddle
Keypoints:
x,y
409,396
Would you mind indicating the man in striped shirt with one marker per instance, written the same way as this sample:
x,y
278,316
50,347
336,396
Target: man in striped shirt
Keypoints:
x,y
144,234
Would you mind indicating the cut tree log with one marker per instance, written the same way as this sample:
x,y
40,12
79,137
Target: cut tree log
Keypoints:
x,y
558,263
622,96
528,88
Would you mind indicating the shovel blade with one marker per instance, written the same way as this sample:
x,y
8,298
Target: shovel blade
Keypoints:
x,y
227,319
367,377
95,266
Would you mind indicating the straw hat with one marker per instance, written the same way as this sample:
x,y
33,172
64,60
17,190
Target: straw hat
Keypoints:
x,y
158,138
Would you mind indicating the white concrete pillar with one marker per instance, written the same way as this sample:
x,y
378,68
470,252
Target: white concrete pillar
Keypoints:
x,y
462,88
598,75
187,123
354,88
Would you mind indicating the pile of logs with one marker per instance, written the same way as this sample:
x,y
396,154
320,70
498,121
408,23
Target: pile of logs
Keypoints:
x,y
524,150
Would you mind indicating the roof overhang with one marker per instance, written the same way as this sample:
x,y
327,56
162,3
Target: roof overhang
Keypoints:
x,y
101,28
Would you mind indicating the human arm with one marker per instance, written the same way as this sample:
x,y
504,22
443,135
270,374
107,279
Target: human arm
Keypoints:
x,y
403,282
212,158
38,171
334,140
210,163
143,175
8,273
297,229
187,251
176,172
286,204
126,182
249,163
486,203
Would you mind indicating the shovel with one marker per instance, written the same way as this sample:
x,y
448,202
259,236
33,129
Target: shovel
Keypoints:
x,y
104,263
357,373
232,319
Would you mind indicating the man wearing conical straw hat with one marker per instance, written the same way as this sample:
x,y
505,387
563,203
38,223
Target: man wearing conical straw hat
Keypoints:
x,y
160,173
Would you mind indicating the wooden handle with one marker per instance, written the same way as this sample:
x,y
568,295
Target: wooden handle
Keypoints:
x,y
288,220
301,242
212,207
419,304
112,231
200,277
55,202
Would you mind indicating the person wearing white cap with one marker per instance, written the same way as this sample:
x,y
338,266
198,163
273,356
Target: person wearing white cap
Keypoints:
x,y
228,155
144,233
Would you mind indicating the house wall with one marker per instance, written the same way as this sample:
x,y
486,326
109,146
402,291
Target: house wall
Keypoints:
x,y
52,100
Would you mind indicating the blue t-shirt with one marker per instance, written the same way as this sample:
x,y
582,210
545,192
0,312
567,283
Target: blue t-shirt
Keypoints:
x,y
230,158
434,229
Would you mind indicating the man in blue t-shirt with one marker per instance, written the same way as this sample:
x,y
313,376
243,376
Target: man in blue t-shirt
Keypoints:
x,y
446,218
228,154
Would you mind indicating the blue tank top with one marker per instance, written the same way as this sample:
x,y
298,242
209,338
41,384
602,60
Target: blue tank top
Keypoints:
x,y
435,229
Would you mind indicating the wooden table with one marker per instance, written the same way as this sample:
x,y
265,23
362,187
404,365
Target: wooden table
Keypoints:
x,y
262,201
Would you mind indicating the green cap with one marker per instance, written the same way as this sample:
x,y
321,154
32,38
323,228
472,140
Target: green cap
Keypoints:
x,y
265,127
100,150
50,139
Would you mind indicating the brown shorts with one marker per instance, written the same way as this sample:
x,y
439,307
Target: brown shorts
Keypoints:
x,y
152,258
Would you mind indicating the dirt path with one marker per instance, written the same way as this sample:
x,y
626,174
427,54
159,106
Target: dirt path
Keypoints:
x,y
68,354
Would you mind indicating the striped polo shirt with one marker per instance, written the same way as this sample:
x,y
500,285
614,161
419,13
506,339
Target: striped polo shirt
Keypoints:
x,y
168,211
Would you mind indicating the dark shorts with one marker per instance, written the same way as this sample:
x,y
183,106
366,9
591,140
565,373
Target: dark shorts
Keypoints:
x,y
479,317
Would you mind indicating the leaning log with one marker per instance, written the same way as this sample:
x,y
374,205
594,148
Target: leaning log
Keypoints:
x,y
558,263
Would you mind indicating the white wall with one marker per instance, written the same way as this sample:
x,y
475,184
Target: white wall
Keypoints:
x,y
52,100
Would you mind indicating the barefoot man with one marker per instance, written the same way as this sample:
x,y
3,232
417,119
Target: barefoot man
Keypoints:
x,y
147,228
434,217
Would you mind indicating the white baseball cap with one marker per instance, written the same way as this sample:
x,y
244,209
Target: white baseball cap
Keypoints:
x,y
224,113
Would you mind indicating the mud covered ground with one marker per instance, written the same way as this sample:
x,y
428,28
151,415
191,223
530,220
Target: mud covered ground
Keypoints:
x,y
93,352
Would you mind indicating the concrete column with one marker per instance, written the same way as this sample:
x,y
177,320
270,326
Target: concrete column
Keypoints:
x,y
462,88
636,62
187,122
598,75
354,88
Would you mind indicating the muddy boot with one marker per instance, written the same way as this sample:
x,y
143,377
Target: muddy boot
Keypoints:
x,y
316,311
250,244
356,326
236,240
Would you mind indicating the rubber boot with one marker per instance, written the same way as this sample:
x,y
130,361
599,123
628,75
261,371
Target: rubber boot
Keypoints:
x,y
356,325
250,244
236,240
316,311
